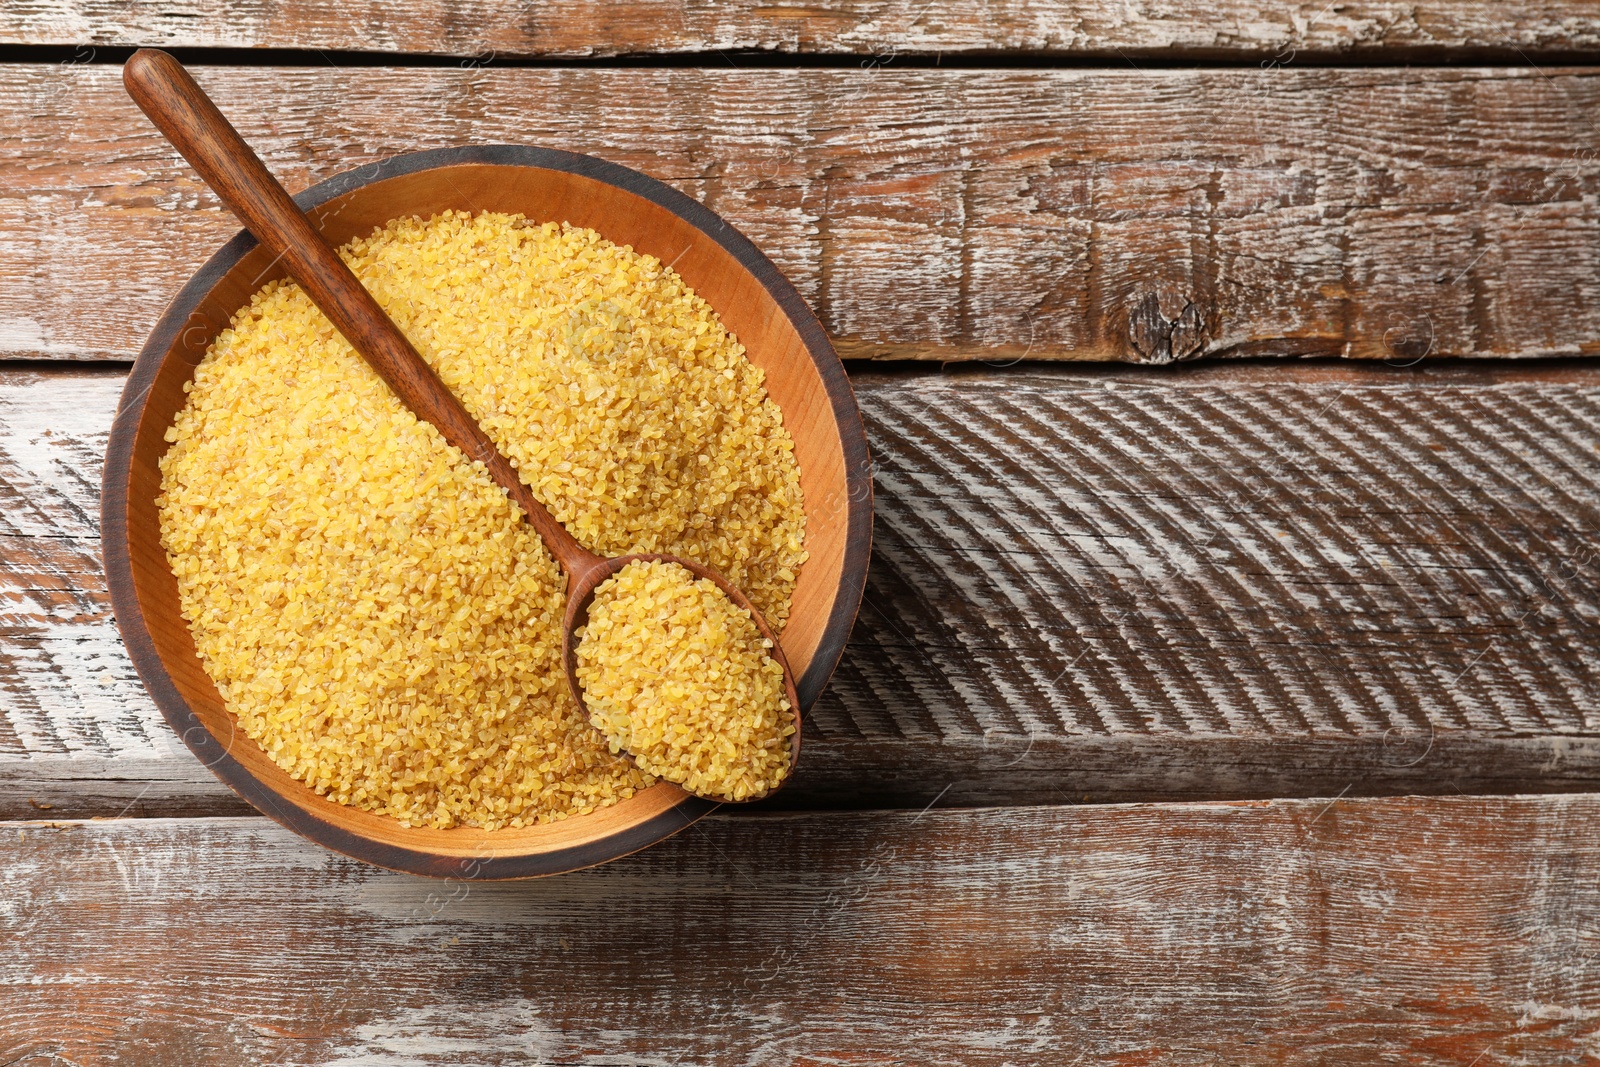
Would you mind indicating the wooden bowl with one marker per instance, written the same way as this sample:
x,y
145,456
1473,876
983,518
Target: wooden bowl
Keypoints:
x,y
804,377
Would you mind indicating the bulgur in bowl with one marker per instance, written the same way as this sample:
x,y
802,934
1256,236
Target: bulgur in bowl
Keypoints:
x,y
560,197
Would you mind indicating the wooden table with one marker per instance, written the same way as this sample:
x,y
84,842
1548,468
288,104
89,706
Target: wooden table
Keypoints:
x,y
1206,705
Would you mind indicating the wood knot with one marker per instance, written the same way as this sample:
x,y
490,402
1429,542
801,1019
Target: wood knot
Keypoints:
x,y
1164,327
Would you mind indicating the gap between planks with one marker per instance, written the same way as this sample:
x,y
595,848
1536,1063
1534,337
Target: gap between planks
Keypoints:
x,y
871,32
1501,55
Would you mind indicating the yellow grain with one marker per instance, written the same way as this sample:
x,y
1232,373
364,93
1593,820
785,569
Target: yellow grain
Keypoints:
x,y
679,676
369,604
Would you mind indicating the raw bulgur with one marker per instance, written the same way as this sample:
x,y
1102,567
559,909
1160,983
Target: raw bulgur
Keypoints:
x,y
369,604
679,676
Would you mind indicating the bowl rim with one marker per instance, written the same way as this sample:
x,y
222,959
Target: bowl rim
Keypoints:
x,y
212,754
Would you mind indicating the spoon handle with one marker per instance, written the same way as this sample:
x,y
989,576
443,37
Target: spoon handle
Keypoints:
x,y
183,112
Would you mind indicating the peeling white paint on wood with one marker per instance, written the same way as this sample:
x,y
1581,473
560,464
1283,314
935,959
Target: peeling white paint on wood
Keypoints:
x,y
1219,583
879,29
66,686
1350,931
448,1035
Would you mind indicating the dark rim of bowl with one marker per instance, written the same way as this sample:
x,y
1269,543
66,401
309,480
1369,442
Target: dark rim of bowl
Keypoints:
x,y
214,755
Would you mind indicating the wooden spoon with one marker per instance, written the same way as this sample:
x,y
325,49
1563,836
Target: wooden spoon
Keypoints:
x,y
179,108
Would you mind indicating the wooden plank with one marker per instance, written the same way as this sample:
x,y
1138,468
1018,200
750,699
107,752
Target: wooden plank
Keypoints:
x,y
1451,931
879,29
1078,214
1214,582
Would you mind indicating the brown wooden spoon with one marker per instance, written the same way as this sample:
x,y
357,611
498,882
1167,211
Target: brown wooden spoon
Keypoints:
x,y
179,108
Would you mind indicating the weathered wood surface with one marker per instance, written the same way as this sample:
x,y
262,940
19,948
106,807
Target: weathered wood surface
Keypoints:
x,y
1087,214
878,29
1406,931
1216,582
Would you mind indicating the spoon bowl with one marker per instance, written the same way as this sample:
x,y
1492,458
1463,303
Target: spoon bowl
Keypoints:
x,y
181,110
581,586
781,336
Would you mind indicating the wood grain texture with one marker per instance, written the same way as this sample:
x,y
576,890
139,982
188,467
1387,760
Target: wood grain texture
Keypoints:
x,y
1427,932
878,29
1131,215
1204,582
